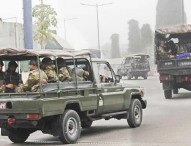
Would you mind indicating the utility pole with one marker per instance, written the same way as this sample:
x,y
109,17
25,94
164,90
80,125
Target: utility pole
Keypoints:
x,y
27,16
183,19
65,25
97,12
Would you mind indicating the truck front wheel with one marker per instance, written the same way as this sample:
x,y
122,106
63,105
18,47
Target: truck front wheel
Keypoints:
x,y
135,113
70,127
168,94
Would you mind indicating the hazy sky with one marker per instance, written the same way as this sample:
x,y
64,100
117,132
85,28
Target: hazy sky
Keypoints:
x,y
82,31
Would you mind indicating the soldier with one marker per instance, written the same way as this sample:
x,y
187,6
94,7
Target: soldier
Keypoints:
x,y
63,72
2,75
105,77
49,69
12,78
163,52
34,79
80,74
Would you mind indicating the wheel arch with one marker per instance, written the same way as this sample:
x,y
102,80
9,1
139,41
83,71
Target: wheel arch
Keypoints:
x,y
138,96
73,106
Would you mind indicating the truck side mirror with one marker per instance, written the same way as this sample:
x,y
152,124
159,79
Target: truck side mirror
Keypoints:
x,y
117,78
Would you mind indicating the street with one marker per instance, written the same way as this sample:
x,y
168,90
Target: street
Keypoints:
x,y
165,123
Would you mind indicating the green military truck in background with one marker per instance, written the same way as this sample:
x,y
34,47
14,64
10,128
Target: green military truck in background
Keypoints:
x,y
63,108
134,66
173,59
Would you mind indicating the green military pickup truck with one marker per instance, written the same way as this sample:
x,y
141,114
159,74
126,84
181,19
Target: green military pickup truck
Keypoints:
x,y
63,108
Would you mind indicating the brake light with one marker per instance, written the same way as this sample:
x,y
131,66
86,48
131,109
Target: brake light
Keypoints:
x,y
33,116
164,78
186,79
11,121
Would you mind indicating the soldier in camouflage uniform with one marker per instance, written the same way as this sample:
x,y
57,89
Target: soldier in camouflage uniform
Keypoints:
x,y
63,73
34,79
2,76
80,74
12,79
49,69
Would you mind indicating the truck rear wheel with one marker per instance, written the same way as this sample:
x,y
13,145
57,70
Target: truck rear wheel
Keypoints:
x,y
18,136
135,114
168,94
175,91
70,127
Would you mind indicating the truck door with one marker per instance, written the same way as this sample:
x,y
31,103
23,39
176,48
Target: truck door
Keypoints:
x,y
111,94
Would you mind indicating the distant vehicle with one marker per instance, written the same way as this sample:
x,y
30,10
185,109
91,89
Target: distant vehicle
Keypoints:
x,y
173,58
62,108
134,66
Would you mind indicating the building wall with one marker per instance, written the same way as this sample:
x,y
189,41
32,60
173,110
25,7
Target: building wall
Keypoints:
x,y
12,35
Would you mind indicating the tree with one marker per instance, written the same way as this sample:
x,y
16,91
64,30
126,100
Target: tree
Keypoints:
x,y
45,19
115,51
170,12
146,37
134,36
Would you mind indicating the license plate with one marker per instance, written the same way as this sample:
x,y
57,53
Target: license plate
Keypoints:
x,y
2,105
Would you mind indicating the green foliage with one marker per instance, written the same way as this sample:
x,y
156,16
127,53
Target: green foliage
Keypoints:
x,y
146,36
45,19
134,36
115,51
170,12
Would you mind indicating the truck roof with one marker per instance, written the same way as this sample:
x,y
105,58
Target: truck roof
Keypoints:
x,y
7,53
178,29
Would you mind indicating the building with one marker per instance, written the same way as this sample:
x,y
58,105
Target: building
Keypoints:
x,y
12,36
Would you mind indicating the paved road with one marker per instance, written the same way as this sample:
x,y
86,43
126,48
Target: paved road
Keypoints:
x,y
165,123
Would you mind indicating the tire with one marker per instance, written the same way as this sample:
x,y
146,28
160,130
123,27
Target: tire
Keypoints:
x,y
145,77
18,136
168,94
175,91
129,77
70,127
86,123
135,114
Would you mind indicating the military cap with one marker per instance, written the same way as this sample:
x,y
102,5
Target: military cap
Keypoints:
x,y
47,60
12,63
60,61
33,62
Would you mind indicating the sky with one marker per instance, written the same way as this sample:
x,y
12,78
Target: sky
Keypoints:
x,y
81,20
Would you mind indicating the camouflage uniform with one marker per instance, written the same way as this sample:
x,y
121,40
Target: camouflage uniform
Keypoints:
x,y
34,80
81,75
163,55
51,73
12,78
64,74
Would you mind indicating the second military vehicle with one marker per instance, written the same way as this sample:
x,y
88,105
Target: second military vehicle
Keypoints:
x,y
173,58
134,66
